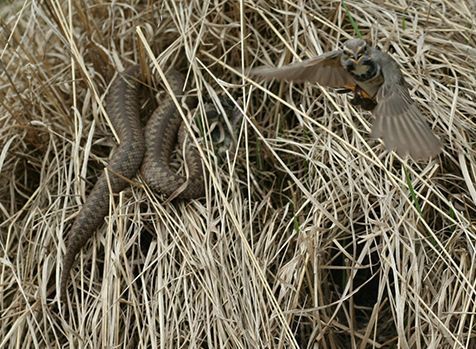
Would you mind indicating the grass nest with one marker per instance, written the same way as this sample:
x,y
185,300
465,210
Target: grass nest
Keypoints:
x,y
310,234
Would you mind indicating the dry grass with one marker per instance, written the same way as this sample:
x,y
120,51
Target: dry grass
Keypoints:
x,y
311,236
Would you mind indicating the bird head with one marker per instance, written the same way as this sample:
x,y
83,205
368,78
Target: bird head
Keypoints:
x,y
355,48
355,57
354,52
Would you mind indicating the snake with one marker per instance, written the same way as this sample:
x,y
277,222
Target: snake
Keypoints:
x,y
148,151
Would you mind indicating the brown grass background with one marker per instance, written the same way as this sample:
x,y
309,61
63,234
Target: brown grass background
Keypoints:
x,y
310,234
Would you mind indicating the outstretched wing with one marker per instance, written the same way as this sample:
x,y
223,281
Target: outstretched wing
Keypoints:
x,y
325,69
400,124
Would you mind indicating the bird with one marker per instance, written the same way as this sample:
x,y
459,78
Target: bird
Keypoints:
x,y
378,85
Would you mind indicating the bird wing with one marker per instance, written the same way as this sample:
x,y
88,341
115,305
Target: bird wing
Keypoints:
x,y
400,124
325,69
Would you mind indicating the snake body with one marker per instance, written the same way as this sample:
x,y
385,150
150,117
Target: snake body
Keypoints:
x,y
163,129
153,152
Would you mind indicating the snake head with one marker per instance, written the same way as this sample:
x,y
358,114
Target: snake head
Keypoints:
x,y
222,119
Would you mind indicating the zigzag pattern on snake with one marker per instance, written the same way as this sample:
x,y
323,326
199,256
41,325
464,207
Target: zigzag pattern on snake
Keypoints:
x,y
152,149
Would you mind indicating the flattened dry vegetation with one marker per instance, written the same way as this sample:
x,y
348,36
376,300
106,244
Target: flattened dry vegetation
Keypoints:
x,y
310,235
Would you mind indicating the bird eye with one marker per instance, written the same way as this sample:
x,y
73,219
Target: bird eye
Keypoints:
x,y
347,52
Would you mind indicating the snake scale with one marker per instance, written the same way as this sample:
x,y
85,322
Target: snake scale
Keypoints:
x,y
152,149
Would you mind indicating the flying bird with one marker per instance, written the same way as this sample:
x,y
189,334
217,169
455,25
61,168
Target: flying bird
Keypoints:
x,y
378,85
